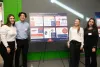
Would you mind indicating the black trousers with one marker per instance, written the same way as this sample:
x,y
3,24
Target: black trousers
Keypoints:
x,y
90,57
22,45
74,53
7,57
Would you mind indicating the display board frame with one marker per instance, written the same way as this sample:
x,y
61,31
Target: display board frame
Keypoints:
x,y
97,17
48,27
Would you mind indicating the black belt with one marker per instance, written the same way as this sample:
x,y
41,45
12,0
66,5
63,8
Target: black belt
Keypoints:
x,y
21,39
75,41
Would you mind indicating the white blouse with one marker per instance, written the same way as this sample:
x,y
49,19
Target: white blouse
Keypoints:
x,y
78,36
8,34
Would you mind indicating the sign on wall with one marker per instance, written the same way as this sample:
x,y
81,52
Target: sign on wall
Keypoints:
x,y
1,22
48,27
1,14
97,15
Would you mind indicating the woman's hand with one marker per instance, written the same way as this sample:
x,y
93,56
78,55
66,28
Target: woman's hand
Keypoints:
x,y
81,48
8,50
68,45
15,49
93,49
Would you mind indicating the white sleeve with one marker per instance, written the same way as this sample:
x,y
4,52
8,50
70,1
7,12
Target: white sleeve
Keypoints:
x,y
69,37
69,34
82,37
3,33
15,39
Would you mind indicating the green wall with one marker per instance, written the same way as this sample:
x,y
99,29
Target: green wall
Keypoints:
x,y
14,7
47,55
51,55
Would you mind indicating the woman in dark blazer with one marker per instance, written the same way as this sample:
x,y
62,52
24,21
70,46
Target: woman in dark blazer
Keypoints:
x,y
90,43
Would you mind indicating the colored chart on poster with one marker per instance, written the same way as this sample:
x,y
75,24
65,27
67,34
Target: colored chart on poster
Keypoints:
x,y
97,16
36,33
36,21
49,32
98,22
48,27
49,21
61,21
61,32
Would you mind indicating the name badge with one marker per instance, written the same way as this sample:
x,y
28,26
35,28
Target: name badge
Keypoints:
x,y
25,29
89,33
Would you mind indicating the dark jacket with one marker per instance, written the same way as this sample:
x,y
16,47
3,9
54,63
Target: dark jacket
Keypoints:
x,y
90,37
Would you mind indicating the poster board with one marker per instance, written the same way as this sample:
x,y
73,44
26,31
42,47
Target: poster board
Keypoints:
x,y
97,16
48,27
1,14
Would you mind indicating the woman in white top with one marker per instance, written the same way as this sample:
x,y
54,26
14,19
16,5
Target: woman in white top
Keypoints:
x,y
75,43
8,43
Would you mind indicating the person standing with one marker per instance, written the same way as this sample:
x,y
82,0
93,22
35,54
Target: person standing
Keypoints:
x,y
75,43
22,39
8,41
90,43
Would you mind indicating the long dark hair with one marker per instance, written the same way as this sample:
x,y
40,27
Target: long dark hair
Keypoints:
x,y
94,24
8,23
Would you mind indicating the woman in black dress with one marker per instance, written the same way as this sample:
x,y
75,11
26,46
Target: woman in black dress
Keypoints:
x,y
90,43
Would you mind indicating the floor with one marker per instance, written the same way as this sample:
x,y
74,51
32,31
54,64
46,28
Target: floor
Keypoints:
x,y
56,63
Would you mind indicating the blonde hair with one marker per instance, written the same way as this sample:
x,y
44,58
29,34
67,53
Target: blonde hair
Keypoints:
x,y
78,26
